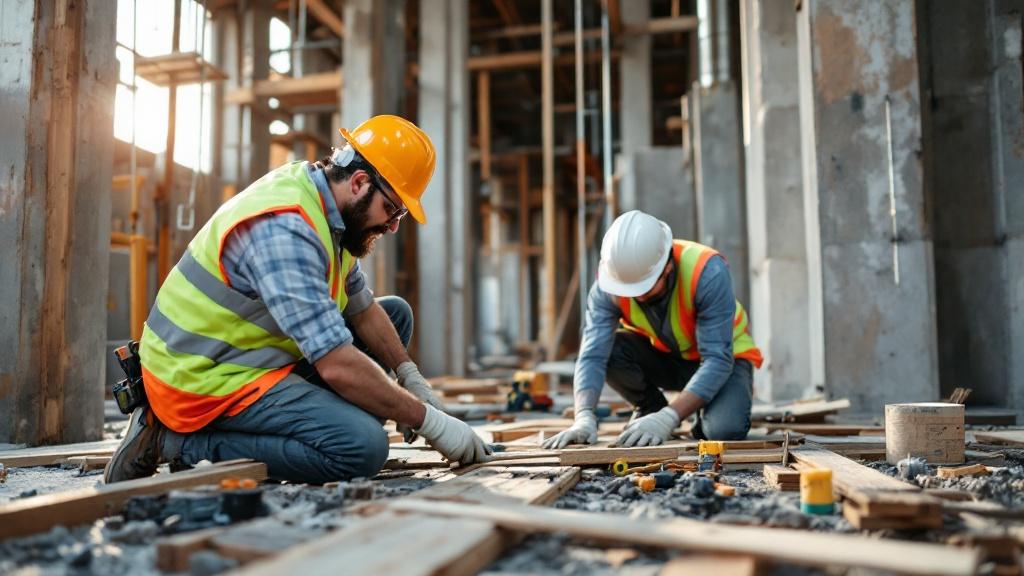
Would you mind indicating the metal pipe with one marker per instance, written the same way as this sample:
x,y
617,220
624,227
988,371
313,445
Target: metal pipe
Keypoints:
x,y
892,194
713,42
581,185
606,115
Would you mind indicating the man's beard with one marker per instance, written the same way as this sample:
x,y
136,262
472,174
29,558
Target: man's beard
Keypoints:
x,y
360,238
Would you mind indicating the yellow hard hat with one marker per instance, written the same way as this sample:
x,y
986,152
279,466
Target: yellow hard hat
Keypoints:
x,y
402,154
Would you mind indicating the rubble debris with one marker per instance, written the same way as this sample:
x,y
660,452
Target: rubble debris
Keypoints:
x,y
911,467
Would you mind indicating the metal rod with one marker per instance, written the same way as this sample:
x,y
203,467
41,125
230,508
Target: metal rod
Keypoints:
x,y
548,306
581,173
892,194
606,115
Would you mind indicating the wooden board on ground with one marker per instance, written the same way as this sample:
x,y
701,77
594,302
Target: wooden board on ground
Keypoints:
x,y
1002,437
54,455
414,459
406,545
707,564
803,411
847,444
74,507
782,478
648,454
848,476
505,485
986,415
791,546
825,429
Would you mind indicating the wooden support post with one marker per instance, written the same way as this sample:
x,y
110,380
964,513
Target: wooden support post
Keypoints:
x,y
483,116
524,245
550,286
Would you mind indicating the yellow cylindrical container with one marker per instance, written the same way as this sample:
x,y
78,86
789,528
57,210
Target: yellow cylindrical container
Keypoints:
x,y
816,491
710,448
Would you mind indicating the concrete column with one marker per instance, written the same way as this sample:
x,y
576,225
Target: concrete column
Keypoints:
x,y
58,75
444,319
775,208
872,291
243,40
635,80
372,71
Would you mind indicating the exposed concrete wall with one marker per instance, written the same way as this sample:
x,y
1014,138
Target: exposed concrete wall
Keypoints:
x,y
656,181
718,162
878,327
58,75
775,210
974,78
444,318
372,70
635,80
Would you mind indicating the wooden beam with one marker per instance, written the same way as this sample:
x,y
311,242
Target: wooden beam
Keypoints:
x,y
75,507
483,116
505,485
550,285
646,454
326,16
528,59
849,477
54,455
312,89
777,544
524,244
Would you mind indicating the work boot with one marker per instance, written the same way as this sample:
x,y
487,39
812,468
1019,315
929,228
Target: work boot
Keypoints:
x,y
138,455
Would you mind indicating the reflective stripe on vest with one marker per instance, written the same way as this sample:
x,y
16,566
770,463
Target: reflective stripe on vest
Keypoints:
x,y
690,259
208,349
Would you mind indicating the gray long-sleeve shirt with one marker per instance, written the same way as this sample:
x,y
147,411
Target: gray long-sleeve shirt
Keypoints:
x,y
715,307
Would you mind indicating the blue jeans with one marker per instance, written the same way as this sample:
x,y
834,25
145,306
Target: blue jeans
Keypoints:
x,y
300,428
639,373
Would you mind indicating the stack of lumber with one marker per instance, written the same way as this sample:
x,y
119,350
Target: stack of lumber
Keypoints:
x,y
872,500
782,478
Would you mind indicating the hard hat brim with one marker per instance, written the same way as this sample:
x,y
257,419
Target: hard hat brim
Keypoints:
x,y
609,284
413,204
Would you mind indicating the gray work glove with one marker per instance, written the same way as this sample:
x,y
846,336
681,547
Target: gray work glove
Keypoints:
x,y
409,377
650,430
453,438
582,431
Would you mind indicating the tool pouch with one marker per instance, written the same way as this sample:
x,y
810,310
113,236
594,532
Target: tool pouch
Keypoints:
x,y
129,393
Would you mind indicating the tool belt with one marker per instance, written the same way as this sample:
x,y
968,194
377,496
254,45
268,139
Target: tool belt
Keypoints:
x,y
129,393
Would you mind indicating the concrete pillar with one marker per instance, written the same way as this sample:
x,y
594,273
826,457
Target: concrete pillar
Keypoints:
x,y
372,74
444,319
635,80
243,36
872,322
775,208
56,161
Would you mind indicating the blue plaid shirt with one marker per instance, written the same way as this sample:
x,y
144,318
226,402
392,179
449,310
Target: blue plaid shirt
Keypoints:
x,y
279,258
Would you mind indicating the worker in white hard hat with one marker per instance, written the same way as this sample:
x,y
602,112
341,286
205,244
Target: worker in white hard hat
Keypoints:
x,y
662,316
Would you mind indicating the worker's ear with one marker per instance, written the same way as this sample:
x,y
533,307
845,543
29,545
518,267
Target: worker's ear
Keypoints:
x,y
358,182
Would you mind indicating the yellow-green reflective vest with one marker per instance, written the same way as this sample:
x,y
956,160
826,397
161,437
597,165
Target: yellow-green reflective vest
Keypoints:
x,y
690,258
208,349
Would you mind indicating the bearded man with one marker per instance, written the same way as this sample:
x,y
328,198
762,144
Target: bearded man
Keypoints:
x,y
265,341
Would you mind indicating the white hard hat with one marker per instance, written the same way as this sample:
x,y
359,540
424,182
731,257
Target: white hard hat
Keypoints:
x,y
633,254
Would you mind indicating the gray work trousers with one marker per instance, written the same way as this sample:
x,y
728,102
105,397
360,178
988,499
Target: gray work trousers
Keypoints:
x,y
639,373
302,429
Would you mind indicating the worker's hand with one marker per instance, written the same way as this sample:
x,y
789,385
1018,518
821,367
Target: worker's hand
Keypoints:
x,y
583,431
452,437
650,430
409,377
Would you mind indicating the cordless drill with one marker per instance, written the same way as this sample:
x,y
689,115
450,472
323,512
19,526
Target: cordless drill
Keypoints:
x,y
129,393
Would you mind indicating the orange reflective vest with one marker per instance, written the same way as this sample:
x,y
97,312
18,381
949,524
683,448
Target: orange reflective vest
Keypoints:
x,y
207,349
690,258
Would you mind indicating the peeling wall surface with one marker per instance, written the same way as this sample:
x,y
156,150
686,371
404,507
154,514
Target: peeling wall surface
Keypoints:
x,y
57,76
878,324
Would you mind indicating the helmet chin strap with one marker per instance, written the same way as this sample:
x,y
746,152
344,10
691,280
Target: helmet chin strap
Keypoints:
x,y
343,156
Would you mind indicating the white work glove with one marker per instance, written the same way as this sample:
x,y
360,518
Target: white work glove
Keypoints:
x,y
453,438
409,377
650,430
582,431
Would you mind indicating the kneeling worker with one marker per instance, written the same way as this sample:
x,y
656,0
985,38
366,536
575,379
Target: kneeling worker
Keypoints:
x,y
265,341
662,316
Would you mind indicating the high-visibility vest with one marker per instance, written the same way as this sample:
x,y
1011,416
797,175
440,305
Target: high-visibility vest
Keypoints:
x,y
208,349
690,259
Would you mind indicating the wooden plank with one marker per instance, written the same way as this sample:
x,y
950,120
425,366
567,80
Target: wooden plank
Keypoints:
x,y
792,546
409,545
326,16
54,455
969,470
824,429
782,477
646,454
74,507
708,564
798,410
505,485
848,476
173,552
414,459
1002,437
260,539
